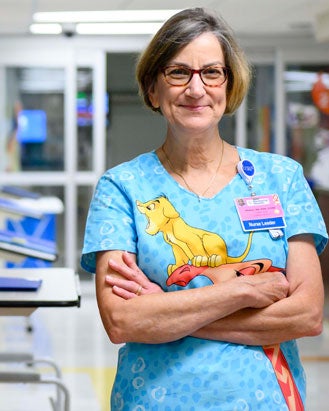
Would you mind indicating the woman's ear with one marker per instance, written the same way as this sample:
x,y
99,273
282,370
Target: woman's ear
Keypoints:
x,y
154,96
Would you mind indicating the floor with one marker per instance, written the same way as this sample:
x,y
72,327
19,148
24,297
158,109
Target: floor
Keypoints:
x,y
75,339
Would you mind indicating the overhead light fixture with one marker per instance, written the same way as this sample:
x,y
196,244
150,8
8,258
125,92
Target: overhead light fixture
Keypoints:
x,y
106,22
117,28
46,28
105,16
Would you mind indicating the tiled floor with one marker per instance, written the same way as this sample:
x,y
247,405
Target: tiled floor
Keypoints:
x,y
75,338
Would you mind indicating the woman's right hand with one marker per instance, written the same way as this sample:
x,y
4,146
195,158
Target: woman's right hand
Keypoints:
x,y
133,282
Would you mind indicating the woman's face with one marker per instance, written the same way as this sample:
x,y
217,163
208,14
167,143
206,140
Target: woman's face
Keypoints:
x,y
194,107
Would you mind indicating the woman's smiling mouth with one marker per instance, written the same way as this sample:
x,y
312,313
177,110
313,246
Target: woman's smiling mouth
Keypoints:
x,y
194,107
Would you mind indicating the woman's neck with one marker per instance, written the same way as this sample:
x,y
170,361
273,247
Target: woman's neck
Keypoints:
x,y
188,154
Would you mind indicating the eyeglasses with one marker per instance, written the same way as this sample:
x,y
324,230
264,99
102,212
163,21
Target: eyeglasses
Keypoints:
x,y
213,76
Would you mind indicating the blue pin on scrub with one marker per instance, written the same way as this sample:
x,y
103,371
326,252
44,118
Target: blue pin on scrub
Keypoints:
x,y
246,170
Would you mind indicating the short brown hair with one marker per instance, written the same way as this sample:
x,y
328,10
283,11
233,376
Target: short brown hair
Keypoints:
x,y
179,31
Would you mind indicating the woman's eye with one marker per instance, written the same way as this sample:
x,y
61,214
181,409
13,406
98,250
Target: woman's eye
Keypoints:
x,y
213,72
178,72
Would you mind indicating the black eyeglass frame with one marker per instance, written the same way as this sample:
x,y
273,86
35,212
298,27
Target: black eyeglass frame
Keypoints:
x,y
194,71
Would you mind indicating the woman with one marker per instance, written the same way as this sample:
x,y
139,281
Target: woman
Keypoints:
x,y
164,236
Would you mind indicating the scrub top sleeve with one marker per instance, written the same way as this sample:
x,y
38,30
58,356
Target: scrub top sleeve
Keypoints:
x,y
303,215
110,222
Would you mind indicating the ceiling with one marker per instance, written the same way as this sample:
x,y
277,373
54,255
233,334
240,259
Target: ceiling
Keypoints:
x,y
247,17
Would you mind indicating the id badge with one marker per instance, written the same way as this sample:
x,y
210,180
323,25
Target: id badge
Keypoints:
x,y
260,212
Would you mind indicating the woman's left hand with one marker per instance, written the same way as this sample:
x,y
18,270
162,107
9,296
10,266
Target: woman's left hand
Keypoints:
x,y
134,282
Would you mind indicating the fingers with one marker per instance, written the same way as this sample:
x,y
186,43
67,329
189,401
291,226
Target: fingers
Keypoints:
x,y
123,293
122,269
130,261
130,286
129,269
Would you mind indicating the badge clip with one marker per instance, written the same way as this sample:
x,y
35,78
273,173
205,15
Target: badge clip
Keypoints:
x,y
276,234
246,170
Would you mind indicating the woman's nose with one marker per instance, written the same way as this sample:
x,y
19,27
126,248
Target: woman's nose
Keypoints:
x,y
195,87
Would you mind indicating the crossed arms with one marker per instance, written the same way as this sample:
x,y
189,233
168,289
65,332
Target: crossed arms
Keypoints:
x,y
263,309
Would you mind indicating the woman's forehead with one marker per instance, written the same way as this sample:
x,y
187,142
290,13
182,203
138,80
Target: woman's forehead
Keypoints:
x,y
204,47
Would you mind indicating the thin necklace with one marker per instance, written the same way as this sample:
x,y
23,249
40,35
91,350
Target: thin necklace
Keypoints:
x,y
186,183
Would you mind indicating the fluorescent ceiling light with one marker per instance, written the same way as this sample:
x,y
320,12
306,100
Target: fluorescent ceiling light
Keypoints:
x,y
103,16
46,28
117,28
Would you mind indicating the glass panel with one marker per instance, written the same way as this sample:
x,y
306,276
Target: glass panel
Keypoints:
x,y
35,118
260,103
85,118
84,198
307,96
